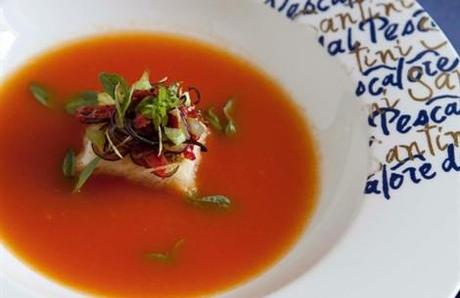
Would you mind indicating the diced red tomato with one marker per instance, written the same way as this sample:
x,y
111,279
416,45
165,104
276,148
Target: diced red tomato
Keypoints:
x,y
190,111
173,122
140,121
154,161
188,153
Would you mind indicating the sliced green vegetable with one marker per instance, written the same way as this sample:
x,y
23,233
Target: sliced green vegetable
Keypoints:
x,y
213,119
217,201
175,135
68,165
168,256
122,102
96,137
143,83
86,98
41,94
86,174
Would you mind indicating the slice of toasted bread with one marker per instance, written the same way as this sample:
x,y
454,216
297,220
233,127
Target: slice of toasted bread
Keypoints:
x,y
184,180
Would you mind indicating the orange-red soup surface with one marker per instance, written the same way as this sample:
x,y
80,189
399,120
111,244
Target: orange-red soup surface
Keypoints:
x,y
96,240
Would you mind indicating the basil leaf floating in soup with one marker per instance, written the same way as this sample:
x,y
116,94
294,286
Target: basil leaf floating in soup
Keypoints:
x,y
230,128
213,119
86,98
68,165
85,174
159,257
228,108
168,256
41,94
217,201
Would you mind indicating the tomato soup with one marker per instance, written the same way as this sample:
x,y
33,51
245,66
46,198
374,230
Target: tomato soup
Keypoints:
x,y
96,240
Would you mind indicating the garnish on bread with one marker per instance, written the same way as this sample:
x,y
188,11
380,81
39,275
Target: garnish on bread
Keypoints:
x,y
151,133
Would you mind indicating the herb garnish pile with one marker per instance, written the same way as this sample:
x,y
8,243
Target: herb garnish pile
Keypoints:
x,y
156,124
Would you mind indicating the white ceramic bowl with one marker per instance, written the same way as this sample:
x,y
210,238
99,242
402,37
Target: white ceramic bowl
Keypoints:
x,y
318,84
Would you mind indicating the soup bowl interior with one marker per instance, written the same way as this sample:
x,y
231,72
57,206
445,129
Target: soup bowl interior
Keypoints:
x,y
286,51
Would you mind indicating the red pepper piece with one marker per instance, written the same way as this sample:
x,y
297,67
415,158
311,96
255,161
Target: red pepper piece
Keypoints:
x,y
140,121
95,114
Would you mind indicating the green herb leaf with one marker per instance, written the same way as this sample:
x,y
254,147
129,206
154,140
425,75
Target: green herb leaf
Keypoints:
x,y
228,108
110,81
230,128
143,83
41,94
175,135
163,94
86,98
103,98
156,109
173,89
68,165
218,201
117,88
213,119
96,137
166,257
86,174
122,102
159,257
142,106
